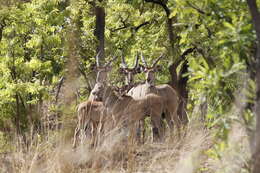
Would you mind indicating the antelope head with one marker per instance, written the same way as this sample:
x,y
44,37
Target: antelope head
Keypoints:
x,y
99,89
150,71
128,71
102,72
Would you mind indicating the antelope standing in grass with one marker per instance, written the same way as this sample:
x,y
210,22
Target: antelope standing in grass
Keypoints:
x,y
92,112
167,93
129,80
129,111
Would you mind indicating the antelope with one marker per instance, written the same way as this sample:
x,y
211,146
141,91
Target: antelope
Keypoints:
x,y
129,80
102,72
128,110
167,93
89,113
92,112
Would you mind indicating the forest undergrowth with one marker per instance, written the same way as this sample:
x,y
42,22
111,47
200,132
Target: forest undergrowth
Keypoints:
x,y
196,150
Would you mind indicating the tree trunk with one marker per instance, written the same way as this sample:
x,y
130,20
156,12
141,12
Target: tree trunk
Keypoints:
x,y
183,91
100,30
256,154
256,21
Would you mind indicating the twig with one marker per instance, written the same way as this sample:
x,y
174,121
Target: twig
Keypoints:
x,y
197,9
59,87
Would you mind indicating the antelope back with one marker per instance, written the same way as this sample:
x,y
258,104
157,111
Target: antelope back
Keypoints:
x,y
139,91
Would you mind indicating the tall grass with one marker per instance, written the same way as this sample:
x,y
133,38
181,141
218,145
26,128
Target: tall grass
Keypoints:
x,y
115,154
185,154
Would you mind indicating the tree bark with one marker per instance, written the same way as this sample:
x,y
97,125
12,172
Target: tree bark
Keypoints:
x,y
182,86
256,21
100,30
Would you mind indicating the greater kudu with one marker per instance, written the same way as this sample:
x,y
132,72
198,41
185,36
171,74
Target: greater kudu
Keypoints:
x,y
129,111
168,94
129,80
93,112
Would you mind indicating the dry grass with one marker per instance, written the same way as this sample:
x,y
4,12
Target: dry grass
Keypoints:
x,y
187,154
115,154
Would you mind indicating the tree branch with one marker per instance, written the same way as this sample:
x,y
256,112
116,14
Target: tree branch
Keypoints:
x,y
58,89
184,54
207,59
136,28
119,28
141,25
197,9
163,5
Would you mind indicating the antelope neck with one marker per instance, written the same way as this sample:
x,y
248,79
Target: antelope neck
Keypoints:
x,y
109,97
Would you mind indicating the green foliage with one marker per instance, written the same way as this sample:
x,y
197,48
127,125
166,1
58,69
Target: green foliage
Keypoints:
x,y
34,48
31,55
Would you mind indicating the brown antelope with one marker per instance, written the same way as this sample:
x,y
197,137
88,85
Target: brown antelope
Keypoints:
x,y
89,113
130,111
92,112
167,93
102,72
129,80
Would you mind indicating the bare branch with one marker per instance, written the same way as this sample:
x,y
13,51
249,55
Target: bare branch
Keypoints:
x,y
125,26
163,5
197,8
186,52
120,28
58,89
141,25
